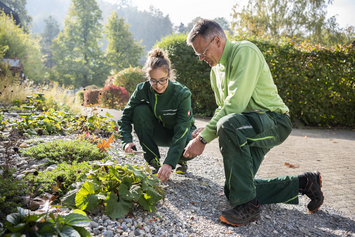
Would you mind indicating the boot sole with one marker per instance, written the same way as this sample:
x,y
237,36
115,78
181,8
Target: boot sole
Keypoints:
x,y
224,220
320,183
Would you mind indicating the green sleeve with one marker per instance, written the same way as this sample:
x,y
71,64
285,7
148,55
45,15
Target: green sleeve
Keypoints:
x,y
184,122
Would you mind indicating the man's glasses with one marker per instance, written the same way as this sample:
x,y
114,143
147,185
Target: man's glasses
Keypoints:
x,y
161,82
203,53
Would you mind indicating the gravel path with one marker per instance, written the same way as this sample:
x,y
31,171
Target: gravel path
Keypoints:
x,y
194,203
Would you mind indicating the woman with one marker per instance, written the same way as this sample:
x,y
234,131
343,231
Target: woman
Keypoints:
x,y
160,110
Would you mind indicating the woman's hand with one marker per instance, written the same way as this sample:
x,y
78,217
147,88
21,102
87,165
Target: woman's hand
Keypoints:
x,y
164,172
196,132
128,147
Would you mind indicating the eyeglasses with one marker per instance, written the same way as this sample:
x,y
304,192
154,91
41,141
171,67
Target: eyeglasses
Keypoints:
x,y
203,53
161,82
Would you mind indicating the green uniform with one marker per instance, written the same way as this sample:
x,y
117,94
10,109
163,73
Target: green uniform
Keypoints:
x,y
250,120
159,120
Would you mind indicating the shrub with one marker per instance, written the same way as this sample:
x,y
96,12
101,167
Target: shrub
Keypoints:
x,y
58,151
113,97
91,97
79,97
129,78
316,83
191,72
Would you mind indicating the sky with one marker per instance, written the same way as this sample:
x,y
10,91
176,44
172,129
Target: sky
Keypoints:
x,y
186,10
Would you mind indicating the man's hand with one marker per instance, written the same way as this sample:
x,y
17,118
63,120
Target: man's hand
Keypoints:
x,y
194,148
164,172
128,147
197,131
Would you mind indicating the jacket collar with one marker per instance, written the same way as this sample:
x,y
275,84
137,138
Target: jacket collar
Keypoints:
x,y
226,53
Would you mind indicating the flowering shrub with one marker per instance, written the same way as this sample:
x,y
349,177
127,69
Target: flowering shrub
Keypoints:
x,y
91,97
113,97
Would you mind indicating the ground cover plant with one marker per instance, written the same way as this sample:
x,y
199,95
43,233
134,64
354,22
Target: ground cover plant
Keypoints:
x,y
58,151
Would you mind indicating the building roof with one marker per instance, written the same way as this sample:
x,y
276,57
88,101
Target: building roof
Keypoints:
x,y
12,62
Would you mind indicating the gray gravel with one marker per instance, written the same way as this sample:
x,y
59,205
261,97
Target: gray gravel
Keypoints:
x,y
194,203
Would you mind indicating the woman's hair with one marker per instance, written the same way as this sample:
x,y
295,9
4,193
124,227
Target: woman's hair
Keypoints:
x,y
207,29
158,58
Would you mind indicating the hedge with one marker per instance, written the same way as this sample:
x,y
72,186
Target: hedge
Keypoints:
x,y
316,83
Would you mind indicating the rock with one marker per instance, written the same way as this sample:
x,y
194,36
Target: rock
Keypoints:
x,y
25,200
51,167
21,176
94,224
24,145
108,233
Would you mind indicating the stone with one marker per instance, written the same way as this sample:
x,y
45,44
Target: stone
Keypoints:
x,y
24,145
94,224
108,233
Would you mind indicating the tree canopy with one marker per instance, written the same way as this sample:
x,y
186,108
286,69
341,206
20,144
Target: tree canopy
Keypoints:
x,y
123,50
77,49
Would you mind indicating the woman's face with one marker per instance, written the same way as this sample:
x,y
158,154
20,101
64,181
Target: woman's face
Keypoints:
x,y
159,79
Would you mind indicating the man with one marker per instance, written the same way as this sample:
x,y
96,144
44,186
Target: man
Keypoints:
x,y
251,118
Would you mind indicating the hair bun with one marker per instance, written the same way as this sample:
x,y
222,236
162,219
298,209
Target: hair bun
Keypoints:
x,y
157,53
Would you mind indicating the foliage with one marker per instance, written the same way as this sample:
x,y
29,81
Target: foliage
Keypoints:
x,y
11,191
123,50
91,97
316,83
295,18
118,187
57,151
191,72
50,33
23,223
19,6
62,176
79,97
113,97
129,78
21,46
76,50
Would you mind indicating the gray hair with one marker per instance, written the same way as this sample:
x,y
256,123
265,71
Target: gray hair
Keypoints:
x,y
207,29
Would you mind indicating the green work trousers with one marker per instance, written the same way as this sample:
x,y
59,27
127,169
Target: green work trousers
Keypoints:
x,y
151,133
244,139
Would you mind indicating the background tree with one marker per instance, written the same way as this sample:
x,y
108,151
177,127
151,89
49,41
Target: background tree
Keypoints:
x,y
19,6
50,33
123,50
148,26
17,44
76,50
302,19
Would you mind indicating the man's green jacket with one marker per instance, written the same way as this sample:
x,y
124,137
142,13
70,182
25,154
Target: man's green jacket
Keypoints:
x,y
173,110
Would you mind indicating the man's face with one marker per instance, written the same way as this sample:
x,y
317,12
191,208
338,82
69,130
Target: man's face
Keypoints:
x,y
207,51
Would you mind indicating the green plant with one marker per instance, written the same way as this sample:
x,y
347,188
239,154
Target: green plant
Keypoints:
x,y
118,187
62,176
129,78
58,151
11,191
79,97
23,223
113,97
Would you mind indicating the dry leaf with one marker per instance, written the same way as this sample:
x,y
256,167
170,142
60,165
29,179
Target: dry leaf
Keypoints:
x,y
291,165
306,137
105,144
55,188
335,142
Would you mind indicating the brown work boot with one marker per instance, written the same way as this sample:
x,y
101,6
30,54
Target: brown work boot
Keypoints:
x,y
313,190
241,214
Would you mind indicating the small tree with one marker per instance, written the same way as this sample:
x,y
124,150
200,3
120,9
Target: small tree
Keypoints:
x,y
113,97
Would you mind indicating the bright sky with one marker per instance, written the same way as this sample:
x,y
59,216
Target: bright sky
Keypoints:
x,y
186,10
